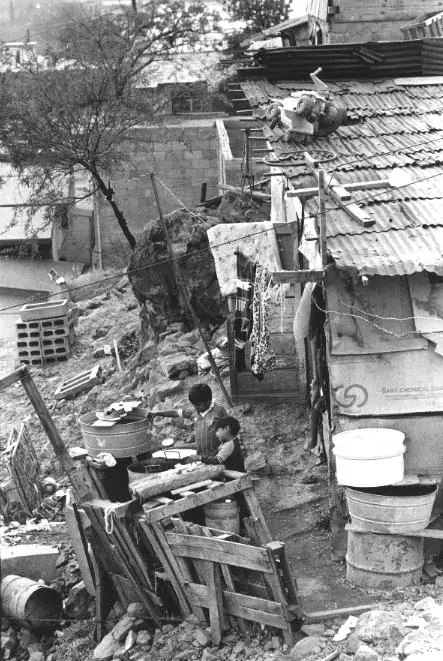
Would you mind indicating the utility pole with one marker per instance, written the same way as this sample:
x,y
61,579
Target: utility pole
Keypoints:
x,y
185,295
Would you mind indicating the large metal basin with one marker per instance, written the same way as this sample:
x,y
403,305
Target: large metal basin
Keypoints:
x,y
127,438
396,509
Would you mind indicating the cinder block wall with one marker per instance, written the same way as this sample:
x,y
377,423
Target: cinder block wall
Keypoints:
x,y
376,20
182,156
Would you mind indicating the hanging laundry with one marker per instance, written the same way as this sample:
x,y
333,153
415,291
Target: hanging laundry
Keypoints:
x,y
262,357
243,308
257,241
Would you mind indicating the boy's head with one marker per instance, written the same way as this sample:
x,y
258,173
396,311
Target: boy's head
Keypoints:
x,y
200,397
227,428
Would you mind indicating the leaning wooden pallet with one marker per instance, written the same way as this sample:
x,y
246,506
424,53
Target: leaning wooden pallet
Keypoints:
x,y
222,598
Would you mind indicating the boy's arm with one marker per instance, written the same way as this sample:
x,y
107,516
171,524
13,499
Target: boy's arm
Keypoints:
x,y
224,451
174,413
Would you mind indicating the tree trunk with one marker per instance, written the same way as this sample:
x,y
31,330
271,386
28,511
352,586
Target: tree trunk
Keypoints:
x,y
118,213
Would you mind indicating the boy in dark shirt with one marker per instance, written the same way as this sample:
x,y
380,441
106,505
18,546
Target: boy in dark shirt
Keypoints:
x,y
205,413
229,450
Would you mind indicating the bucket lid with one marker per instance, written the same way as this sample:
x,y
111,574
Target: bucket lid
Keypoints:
x,y
368,436
376,449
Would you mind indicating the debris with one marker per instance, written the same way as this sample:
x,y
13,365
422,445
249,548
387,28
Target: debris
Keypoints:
x,y
33,561
366,653
202,637
345,629
178,366
78,603
306,647
256,462
313,629
79,383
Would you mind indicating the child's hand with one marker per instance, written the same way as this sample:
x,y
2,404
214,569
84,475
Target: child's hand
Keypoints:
x,y
206,459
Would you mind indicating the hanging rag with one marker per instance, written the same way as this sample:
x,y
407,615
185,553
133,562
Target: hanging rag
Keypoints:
x,y
257,241
243,308
320,381
262,357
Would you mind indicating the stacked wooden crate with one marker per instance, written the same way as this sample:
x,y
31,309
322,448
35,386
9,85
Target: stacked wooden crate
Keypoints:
x,y
46,332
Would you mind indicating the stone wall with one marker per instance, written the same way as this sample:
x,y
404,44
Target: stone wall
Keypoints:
x,y
376,20
182,156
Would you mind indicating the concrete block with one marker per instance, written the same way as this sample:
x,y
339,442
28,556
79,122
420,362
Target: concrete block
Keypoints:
x,y
44,310
32,561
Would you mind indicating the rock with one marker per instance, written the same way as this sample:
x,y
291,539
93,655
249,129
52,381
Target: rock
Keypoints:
x,y
169,389
439,582
173,366
208,655
425,656
428,603
130,640
314,629
36,656
377,625
78,602
238,648
329,633
307,646
147,353
143,637
136,609
106,648
122,628
256,461
167,628
26,638
192,619
8,640
351,644
202,637
366,653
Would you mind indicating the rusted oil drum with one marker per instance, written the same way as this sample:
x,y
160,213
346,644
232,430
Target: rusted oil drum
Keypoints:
x,y
127,438
31,603
383,562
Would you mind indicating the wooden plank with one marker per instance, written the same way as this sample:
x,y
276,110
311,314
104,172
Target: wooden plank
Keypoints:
x,y
152,485
196,553
237,605
12,378
215,601
190,487
301,277
358,214
162,556
302,192
210,545
199,499
319,616
227,576
322,217
260,524
278,593
366,185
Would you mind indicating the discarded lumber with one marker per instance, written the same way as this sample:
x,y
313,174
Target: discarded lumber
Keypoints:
x,y
79,383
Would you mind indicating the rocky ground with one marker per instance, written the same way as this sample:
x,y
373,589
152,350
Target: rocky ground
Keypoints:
x,y
291,488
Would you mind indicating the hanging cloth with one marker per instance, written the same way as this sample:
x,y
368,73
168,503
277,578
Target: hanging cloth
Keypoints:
x,y
243,308
262,357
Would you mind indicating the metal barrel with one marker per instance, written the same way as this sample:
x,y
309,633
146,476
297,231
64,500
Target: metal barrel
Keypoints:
x,y
128,438
383,562
395,509
31,603
223,515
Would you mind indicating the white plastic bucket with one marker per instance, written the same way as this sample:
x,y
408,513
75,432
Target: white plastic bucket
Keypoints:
x,y
370,457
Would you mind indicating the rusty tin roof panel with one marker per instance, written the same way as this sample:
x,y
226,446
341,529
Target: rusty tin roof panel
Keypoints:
x,y
392,126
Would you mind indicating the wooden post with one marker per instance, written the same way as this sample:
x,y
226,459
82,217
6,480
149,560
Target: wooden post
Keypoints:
x,y
79,480
183,289
322,216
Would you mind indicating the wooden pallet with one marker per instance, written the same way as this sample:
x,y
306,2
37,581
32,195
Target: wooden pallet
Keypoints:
x,y
215,558
79,383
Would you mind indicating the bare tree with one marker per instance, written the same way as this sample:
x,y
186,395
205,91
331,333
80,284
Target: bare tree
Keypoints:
x,y
76,106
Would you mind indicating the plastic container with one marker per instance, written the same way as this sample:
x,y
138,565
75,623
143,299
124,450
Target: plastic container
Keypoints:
x,y
370,457
396,509
127,438
31,603
223,515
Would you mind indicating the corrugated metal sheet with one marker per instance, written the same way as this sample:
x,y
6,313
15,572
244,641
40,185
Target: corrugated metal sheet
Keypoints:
x,y
398,126
392,253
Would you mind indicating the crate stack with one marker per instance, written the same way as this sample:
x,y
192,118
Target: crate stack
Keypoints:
x,y
46,332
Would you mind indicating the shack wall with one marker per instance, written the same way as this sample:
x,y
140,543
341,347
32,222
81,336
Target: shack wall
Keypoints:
x,y
384,372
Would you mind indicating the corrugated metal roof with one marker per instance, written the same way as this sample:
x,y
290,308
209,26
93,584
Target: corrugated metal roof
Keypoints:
x,y
398,252
396,125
